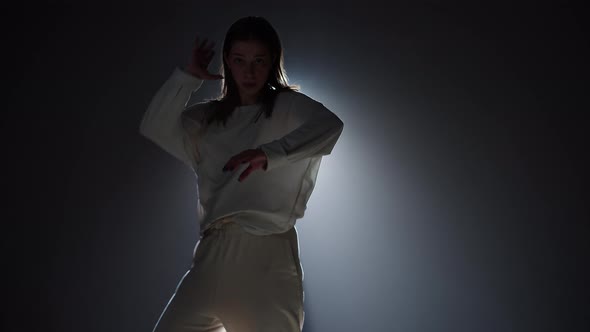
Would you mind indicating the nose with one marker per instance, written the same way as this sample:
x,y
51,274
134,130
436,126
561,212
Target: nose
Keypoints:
x,y
250,68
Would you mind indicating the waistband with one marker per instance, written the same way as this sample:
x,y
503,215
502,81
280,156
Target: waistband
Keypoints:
x,y
217,224
228,224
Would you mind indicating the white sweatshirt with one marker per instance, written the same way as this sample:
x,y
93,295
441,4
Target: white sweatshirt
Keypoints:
x,y
294,139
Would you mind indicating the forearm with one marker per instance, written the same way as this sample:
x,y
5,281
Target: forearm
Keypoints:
x,y
315,137
161,122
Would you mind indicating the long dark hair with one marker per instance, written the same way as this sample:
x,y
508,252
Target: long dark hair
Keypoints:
x,y
259,29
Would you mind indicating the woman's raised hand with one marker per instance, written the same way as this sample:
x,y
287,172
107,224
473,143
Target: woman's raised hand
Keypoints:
x,y
200,58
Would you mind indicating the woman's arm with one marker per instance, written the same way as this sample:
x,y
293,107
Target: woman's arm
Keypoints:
x,y
317,135
162,122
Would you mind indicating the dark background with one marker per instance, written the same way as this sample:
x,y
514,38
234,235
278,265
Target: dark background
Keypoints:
x,y
461,175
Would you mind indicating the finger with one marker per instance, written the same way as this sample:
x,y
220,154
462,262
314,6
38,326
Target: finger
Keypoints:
x,y
229,166
203,43
210,45
205,50
226,167
196,51
198,42
238,159
245,173
206,55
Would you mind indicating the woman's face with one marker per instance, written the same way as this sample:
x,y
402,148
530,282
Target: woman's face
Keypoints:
x,y
250,63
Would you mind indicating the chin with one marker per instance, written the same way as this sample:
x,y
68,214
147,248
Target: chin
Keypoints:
x,y
253,88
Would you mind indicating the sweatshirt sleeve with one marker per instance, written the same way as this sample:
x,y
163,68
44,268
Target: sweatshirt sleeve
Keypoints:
x,y
316,136
163,123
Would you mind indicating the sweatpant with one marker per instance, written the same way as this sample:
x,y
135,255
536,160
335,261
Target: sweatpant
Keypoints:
x,y
239,282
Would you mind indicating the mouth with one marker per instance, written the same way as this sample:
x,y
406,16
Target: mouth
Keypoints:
x,y
249,84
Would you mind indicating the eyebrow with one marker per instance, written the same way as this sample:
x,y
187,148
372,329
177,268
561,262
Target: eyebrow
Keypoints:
x,y
239,54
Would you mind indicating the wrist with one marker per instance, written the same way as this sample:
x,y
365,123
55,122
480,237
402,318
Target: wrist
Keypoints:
x,y
189,69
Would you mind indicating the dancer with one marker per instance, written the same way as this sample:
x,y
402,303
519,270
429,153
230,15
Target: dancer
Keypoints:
x,y
256,152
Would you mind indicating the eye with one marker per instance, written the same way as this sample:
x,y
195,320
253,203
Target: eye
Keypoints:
x,y
237,60
260,61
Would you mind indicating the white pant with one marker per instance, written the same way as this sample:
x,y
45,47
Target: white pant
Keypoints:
x,y
241,282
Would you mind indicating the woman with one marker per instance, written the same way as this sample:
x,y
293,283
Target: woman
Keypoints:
x,y
256,152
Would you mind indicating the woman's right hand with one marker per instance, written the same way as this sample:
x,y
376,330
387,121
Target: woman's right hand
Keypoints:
x,y
200,58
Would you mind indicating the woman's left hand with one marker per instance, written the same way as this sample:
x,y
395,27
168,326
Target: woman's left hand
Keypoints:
x,y
256,158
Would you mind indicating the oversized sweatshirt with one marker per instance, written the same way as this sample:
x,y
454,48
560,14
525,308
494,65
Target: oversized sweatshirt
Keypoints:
x,y
294,139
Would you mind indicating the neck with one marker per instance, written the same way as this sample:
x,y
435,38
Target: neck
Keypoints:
x,y
248,99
